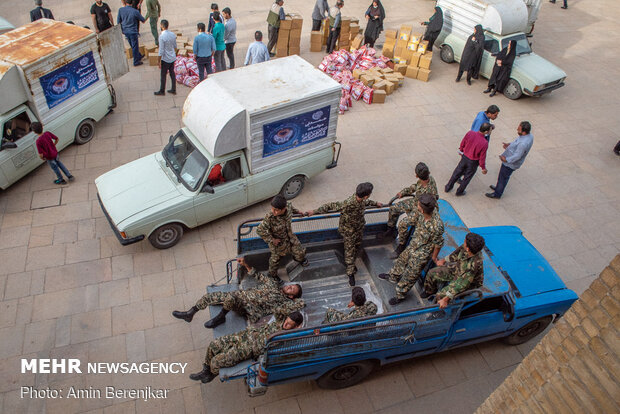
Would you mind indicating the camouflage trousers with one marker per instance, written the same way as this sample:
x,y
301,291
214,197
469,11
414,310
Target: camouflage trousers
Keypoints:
x,y
437,275
333,315
407,269
229,301
352,244
286,246
227,351
402,207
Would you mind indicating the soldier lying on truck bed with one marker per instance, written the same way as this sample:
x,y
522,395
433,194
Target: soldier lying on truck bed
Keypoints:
x,y
360,306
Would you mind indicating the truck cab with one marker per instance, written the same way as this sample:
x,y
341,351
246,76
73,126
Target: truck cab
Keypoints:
x,y
521,295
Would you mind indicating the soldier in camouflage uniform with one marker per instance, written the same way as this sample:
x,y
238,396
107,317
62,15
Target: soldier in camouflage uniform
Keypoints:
x,y
463,270
424,246
424,185
276,231
229,350
360,306
253,303
351,224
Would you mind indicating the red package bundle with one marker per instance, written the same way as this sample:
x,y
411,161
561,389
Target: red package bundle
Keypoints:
x,y
180,78
367,95
191,81
357,91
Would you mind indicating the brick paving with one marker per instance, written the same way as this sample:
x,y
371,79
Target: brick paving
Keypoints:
x,y
69,289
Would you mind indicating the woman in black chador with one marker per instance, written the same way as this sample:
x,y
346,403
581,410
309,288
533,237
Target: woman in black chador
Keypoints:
x,y
472,55
433,28
503,67
374,18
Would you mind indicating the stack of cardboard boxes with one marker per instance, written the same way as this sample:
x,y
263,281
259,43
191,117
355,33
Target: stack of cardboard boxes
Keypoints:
x,y
383,81
289,35
390,43
344,40
316,41
408,52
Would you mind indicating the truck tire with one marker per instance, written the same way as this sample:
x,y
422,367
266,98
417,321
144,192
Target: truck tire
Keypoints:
x,y
345,375
85,131
528,331
166,236
446,54
513,90
292,188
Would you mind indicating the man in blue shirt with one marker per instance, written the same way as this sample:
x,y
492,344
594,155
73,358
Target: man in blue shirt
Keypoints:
x,y
513,158
129,18
204,49
167,46
485,117
257,52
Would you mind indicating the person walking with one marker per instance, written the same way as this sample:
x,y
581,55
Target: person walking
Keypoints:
x,y
320,13
513,158
433,27
46,147
502,69
334,25
153,13
276,13
487,116
257,52
101,14
40,12
472,55
565,6
220,46
204,49
230,36
167,45
375,14
474,149
129,18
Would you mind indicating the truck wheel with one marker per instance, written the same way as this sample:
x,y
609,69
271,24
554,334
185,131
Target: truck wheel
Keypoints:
x,y
513,90
447,54
292,188
85,131
345,375
528,331
166,236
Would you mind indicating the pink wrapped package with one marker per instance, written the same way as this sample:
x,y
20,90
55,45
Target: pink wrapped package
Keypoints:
x,y
367,95
357,91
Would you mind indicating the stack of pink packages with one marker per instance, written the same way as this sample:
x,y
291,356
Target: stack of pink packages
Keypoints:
x,y
340,66
186,70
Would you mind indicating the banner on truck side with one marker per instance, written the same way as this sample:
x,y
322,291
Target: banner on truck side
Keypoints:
x,y
297,130
69,80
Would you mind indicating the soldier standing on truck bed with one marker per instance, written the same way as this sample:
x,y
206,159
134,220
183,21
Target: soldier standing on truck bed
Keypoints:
x,y
360,306
253,303
351,224
276,231
425,245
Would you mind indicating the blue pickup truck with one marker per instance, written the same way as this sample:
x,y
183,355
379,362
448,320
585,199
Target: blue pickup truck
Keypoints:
x,y
520,297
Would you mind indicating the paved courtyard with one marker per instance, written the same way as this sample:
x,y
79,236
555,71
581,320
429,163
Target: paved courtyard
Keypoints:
x,y
68,289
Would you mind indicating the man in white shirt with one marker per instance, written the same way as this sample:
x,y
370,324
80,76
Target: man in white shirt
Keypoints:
x,y
167,46
257,52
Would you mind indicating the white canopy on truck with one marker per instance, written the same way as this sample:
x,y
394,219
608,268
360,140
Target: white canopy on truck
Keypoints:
x,y
498,16
220,110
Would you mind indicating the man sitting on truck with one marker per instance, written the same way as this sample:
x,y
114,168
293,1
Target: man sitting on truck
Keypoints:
x,y
360,306
276,231
229,350
463,270
425,245
253,303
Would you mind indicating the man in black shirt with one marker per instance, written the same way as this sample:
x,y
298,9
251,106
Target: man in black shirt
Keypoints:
x,y
39,12
102,16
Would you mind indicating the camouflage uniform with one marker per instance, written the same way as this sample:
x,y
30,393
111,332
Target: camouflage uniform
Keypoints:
x,y
279,227
229,350
410,206
367,309
411,262
460,271
254,303
350,226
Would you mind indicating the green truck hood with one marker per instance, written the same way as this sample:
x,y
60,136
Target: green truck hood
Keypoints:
x,y
135,187
538,69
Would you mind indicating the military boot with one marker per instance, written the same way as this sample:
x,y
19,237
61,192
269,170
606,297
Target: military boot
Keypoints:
x,y
205,375
398,251
219,319
187,316
351,280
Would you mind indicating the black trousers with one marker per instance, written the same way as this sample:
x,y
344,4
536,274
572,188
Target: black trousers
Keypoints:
x,y
316,25
466,168
332,39
431,37
204,64
272,33
167,68
502,180
231,55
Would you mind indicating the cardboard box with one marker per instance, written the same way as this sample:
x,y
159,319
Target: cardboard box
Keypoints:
x,y
357,42
294,39
405,32
425,62
345,23
293,50
423,46
286,24
355,29
389,87
150,47
378,96
413,46
282,42
128,52
412,72
386,70
415,37
399,50
367,80
180,45
143,51
297,21
399,60
181,52
400,77
316,37
183,39
357,73
281,52
424,74
316,47
407,55
154,59
391,34
379,86
355,21
387,52
400,68
415,59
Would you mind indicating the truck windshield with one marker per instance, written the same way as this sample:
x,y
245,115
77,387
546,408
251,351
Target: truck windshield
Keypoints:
x,y
523,46
188,164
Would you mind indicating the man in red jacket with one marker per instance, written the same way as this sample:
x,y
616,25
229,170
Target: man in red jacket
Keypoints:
x,y
46,146
474,152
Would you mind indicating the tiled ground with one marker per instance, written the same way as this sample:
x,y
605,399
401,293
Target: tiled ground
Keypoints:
x,y
68,289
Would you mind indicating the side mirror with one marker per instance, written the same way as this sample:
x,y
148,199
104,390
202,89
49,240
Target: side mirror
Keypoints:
x,y
7,145
207,189
171,138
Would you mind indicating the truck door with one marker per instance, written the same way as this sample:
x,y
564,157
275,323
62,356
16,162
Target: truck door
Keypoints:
x,y
113,52
481,321
491,47
227,181
19,161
